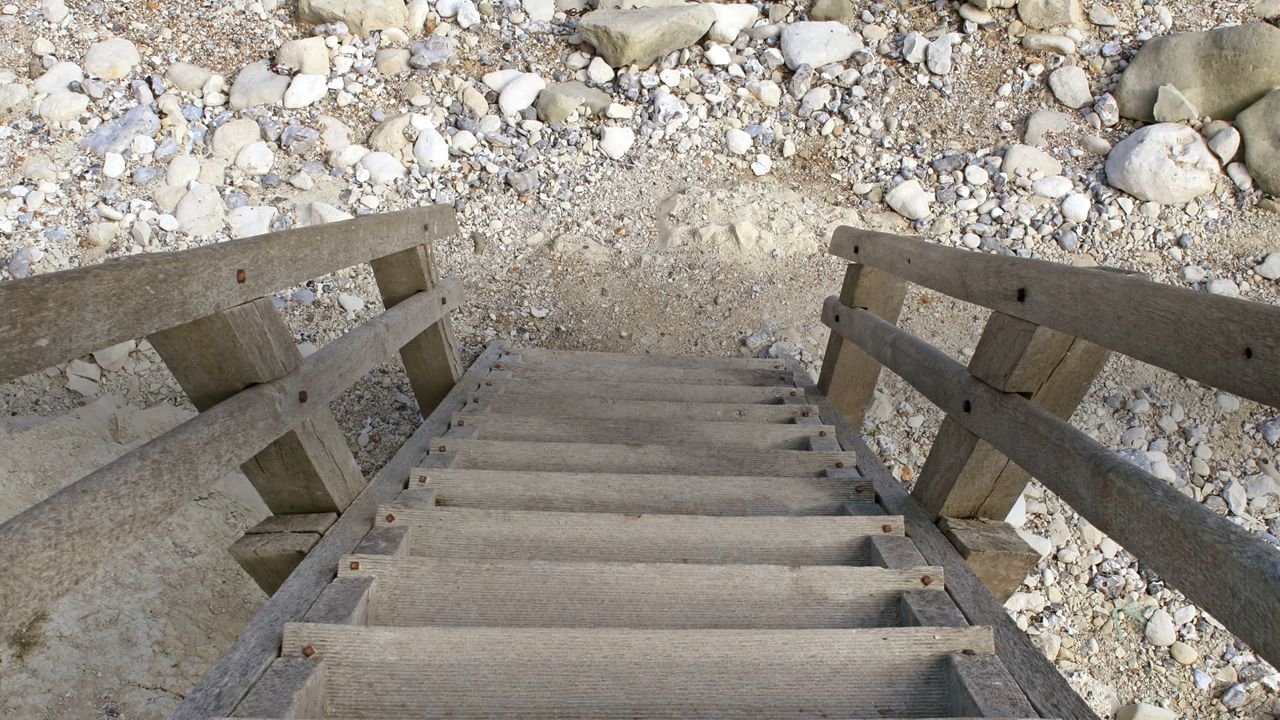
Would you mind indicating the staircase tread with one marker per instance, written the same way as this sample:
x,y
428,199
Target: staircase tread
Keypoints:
x,y
760,377
643,493
690,392
498,426
460,592
580,408
639,458
543,535
559,672
587,358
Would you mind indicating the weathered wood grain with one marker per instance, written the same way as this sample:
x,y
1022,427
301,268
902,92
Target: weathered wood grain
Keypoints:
x,y
431,359
966,477
51,318
641,373
1191,548
290,688
309,469
688,393
230,678
612,408
849,375
981,686
270,557
585,359
1224,342
495,426
1040,681
994,551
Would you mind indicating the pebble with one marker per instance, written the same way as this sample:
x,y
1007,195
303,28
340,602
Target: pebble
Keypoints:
x,y
1160,630
111,59
1070,84
255,158
519,92
305,90
1269,268
818,43
910,200
738,141
1165,163
616,141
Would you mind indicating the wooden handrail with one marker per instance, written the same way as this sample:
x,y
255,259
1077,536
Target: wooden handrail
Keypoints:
x,y
61,541
1224,342
51,318
1191,547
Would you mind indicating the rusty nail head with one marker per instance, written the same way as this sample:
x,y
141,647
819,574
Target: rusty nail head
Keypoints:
x,y
241,276
822,433
839,464
488,382
927,580
793,393
462,423
302,396
441,449
969,651
355,564
444,300
887,528
308,650
392,518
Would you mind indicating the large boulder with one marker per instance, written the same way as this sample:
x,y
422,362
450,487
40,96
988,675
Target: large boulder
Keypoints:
x,y
361,16
1167,163
641,36
1221,72
818,43
1260,126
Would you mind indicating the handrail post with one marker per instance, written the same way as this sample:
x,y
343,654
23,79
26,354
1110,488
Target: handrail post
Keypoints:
x,y
431,359
849,375
964,477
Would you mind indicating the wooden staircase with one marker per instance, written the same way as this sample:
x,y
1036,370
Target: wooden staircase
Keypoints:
x,y
635,536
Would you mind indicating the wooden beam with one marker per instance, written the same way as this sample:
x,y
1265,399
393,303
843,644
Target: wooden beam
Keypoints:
x,y
966,477
981,686
54,317
431,359
1040,681
994,551
849,376
310,468
290,688
61,541
1221,341
270,557
259,643
1193,549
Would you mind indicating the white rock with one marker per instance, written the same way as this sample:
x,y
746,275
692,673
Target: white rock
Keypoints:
x,y
738,141
1225,144
938,55
1075,207
540,10
1160,630
464,141
255,159
200,211
58,77
384,168
1164,163
1143,711
1027,161
305,89
909,200
62,106
766,91
1052,187
468,14
1222,286
55,11
718,56
762,164
599,71
976,175
731,20
915,47
818,43
1269,268
520,92
111,59
350,303
257,85
616,141
112,359
318,213
113,165
250,220
1070,84
430,150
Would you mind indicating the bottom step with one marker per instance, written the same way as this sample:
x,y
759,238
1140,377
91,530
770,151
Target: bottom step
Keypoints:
x,y
378,672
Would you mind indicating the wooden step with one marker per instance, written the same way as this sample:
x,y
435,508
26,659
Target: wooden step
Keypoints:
x,y
631,493
614,537
435,672
642,459
642,391
492,426
610,408
586,360
534,372
442,591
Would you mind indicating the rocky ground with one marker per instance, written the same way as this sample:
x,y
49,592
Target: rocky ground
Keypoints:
x,y
658,179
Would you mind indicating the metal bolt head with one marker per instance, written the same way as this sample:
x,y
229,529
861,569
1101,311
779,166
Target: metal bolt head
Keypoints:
x,y
462,423
241,276
488,382
840,464
302,396
442,448
392,518
927,580
308,650
444,300
886,528
822,433
355,564
793,393
968,651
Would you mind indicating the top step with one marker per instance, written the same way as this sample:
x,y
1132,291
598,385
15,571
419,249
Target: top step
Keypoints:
x,y
585,359
673,376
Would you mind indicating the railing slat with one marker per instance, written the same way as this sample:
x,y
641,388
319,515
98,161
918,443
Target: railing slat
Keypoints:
x,y
1192,548
52,318
1224,342
58,543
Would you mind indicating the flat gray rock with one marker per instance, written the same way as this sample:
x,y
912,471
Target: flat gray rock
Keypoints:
x,y
1260,127
641,36
1221,72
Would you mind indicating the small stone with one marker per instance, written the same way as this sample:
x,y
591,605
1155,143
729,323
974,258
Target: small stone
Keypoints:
x,y
817,44
257,85
62,106
250,220
1057,44
111,59
640,36
1075,207
200,211
1045,14
831,10
1160,630
351,303
616,141
1143,711
938,55
738,141
362,16
520,92
1172,106
1043,122
255,159
1234,697
1165,163
1052,187
113,165
909,200
1070,84
430,150
309,56
1269,268
305,90
1184,653
383,168
599,71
